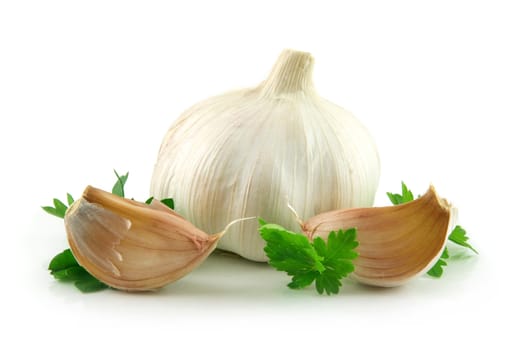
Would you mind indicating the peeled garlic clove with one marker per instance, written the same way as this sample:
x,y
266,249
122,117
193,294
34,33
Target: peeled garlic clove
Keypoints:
x,y
133,246
396,243
248,152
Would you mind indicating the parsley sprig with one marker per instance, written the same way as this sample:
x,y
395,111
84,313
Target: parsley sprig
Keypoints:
x,y
457,235
64,267
404,197
324,263
59,208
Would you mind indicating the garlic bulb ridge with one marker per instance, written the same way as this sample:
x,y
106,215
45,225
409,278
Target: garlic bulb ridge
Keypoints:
x,y
251,152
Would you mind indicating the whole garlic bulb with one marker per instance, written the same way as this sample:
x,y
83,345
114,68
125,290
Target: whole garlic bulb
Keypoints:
x,y
253,151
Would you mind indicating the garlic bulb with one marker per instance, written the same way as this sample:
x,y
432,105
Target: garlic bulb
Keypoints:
x,y
253,151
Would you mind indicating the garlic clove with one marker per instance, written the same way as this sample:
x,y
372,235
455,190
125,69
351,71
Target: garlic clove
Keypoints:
x,y
133,246
396,243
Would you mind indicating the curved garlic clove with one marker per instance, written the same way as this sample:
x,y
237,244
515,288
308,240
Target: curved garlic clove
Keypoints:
x,y
133,246
396,243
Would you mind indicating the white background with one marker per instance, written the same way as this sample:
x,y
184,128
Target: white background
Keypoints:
x,y
86,87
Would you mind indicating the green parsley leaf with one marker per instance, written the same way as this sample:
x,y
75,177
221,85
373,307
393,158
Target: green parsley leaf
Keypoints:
x,y
64,267
70,199
72,273
328,281
59,208
289,251
324,263
458,236
89,285
406,196
53,211
437,269
337,255
169,202
62,261
118,188
300,281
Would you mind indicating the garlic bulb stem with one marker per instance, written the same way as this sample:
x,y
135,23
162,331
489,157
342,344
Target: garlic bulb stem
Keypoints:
x,y
291,73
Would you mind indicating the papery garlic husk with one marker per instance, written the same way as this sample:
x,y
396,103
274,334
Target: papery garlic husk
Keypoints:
x,y
396,243
250,152
133,246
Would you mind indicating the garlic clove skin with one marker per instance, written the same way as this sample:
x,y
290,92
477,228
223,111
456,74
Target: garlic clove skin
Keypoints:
x,y
396,243
133,246
252,151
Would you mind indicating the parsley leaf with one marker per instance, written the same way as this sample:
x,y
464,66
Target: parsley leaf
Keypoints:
x,y
169,202
406,196
70,199
62,261
89,285
337,255
59,208
118,188
458,235
324,263
289,251
64,267
437,270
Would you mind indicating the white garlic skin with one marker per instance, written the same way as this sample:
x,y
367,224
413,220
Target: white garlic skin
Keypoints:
x,y
251,152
